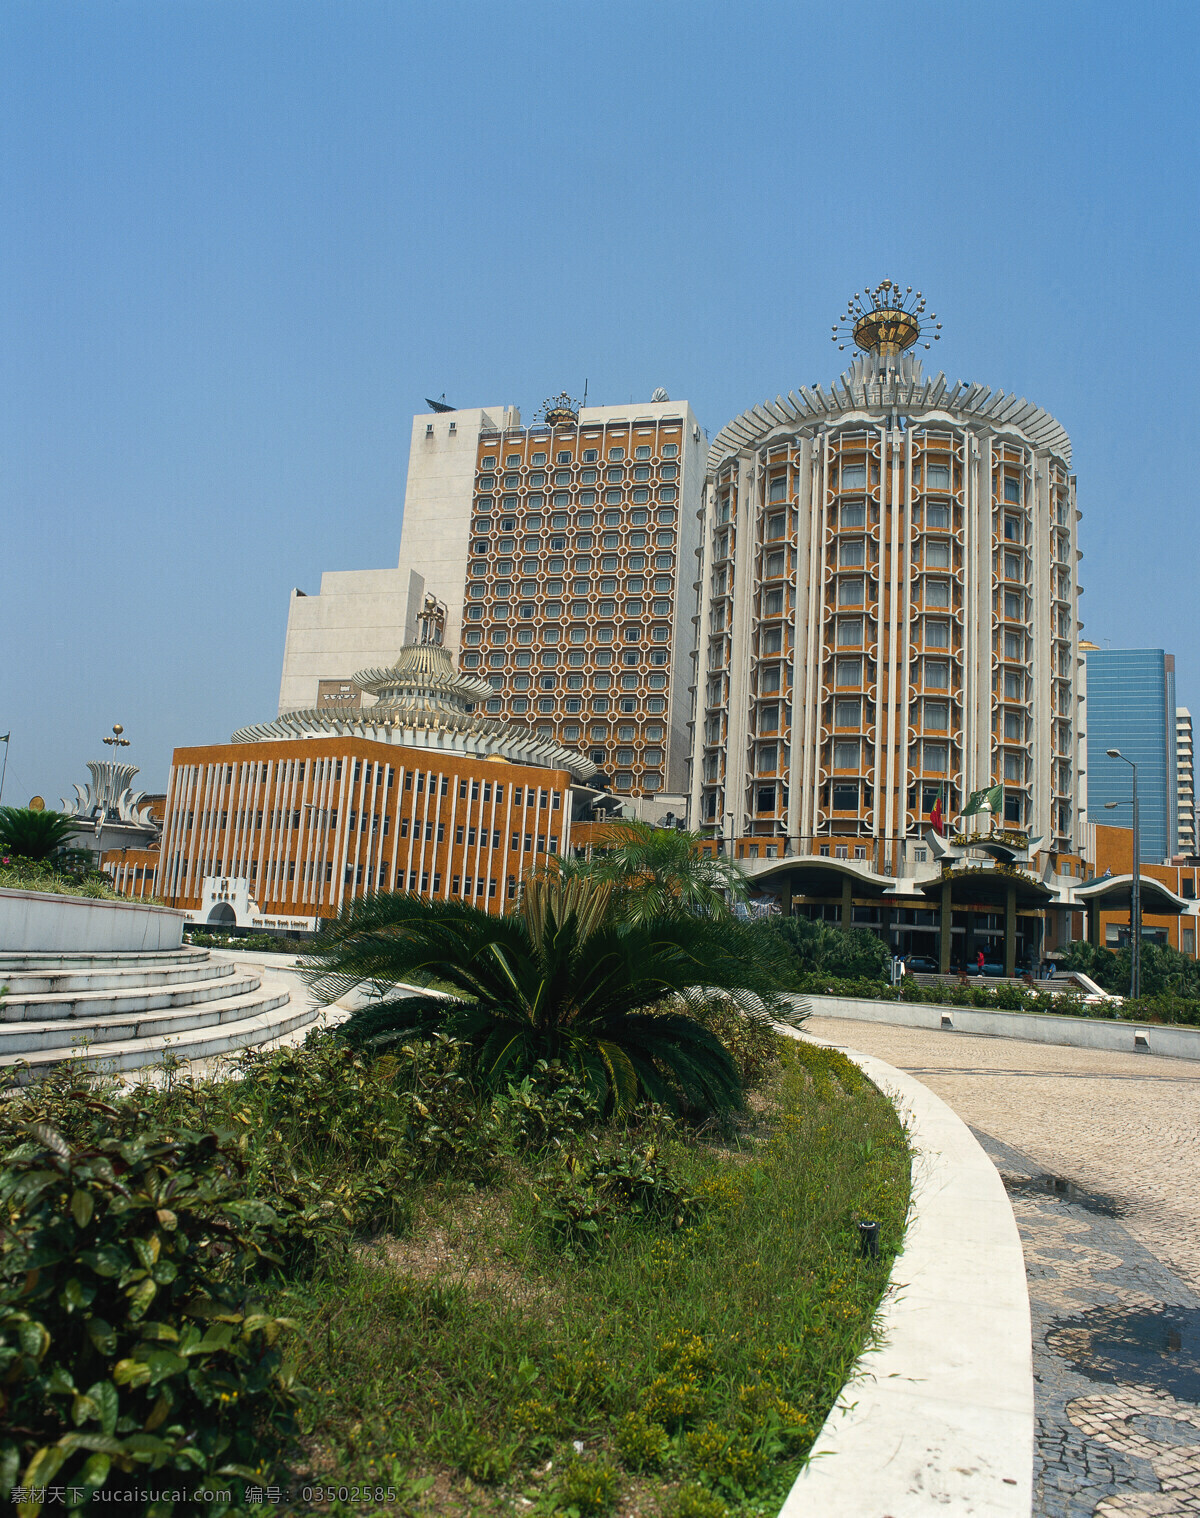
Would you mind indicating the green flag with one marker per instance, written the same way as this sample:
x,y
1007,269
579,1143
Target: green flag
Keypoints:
x,y
985,801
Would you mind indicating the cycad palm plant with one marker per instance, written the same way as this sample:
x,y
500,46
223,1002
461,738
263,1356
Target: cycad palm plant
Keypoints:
x,y
34,835
562,977
662,870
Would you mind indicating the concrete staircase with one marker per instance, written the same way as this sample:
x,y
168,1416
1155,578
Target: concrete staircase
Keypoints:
x,y
125,1010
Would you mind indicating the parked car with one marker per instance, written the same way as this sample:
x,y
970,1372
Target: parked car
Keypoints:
x,y
920,964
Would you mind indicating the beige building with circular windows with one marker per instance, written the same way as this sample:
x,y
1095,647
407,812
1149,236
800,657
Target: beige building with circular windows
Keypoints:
x,y
888,613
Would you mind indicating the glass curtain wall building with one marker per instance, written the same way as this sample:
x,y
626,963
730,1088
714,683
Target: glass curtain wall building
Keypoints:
x,y
1131,707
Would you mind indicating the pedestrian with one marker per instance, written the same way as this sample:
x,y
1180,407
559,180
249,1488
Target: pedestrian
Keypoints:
x,y
979,961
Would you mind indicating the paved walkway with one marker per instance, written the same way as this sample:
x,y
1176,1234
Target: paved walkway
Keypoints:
x,y
1101,1155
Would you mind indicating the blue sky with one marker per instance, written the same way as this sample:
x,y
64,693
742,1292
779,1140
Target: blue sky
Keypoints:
x,y
243,240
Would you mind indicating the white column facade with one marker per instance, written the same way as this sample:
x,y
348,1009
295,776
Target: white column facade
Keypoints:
x,y
888,613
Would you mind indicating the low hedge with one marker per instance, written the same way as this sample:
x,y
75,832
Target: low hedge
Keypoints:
x,y
1009,998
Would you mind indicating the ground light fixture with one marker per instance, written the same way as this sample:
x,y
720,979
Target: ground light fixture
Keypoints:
x,y
868,1239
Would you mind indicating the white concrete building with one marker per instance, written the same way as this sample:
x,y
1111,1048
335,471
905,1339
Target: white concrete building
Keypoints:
x,y
1185,781
563,555
888,615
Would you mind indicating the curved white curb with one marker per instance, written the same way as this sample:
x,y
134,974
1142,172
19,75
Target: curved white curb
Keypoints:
x,y
939,1418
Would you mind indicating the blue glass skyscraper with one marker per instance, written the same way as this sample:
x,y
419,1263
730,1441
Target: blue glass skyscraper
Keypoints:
x,y
1131,707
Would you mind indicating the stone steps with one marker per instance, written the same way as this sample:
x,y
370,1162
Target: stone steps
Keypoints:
x,y
14,961
23,1037
128,1000
126,1011
58,982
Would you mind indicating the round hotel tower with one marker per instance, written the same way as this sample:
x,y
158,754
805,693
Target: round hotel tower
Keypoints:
x,y
888,611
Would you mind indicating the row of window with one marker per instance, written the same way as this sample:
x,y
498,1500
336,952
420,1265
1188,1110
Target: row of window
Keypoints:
x,y
638,496
538,480
588,456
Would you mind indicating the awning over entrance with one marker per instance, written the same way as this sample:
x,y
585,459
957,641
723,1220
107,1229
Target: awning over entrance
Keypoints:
x,y
1112,893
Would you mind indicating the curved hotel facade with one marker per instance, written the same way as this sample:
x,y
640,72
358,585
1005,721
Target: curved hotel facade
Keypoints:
x,y
888,614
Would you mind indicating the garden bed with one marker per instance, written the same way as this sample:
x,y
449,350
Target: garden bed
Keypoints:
x,y
514,1306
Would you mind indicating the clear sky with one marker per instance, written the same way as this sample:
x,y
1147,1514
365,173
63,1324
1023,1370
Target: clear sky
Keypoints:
x,y
243,239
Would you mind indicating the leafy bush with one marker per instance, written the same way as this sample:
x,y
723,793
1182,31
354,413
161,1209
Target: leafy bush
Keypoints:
x,y
694,1501
818,947
641,1444
129,1340
586,1192
65,874
588,1489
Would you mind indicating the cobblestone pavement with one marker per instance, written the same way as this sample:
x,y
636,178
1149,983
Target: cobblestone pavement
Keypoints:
x,y
1100,1153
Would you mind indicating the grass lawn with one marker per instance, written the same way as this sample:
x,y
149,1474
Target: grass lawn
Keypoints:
x,y
503,1355
435,1301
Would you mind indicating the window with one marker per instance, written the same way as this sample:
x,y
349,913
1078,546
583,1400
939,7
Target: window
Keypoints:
x,y
1013,645
616,453
845,799
776,526
849,672
768,756
937,634
1012,605
845,755
937,554
1012,488
670,450
1012,727
847,713
849,632
641,452
937,517
937,593
778,488
937,477
774,565
937,716
590,455
1013,686
768,680
852,551
853,514
937,674
772,640
854,476
765,799
768,718
1012,529
934,758
850,591
773,603
1012,767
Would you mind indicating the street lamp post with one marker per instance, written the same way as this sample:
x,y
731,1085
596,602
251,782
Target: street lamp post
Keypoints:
x,y
1135,896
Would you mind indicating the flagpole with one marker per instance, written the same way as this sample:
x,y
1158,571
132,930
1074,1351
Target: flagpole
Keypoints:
x,y
4,767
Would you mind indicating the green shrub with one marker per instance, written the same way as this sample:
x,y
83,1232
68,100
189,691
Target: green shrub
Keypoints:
x,y
587,1191
819,947
547,1105
693,1501
641,1444
588,1489
129,1339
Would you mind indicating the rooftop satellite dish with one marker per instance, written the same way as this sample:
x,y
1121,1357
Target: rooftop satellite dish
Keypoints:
x,y
442,405
660,395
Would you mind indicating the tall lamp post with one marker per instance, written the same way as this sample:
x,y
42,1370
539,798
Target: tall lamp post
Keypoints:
x,y
1135,897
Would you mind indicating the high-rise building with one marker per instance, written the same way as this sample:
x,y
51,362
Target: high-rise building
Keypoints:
x,y
888,612
1185,784
1131,707
563,555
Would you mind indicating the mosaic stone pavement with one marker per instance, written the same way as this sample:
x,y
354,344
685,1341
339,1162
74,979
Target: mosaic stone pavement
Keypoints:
x,y
1100,1154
